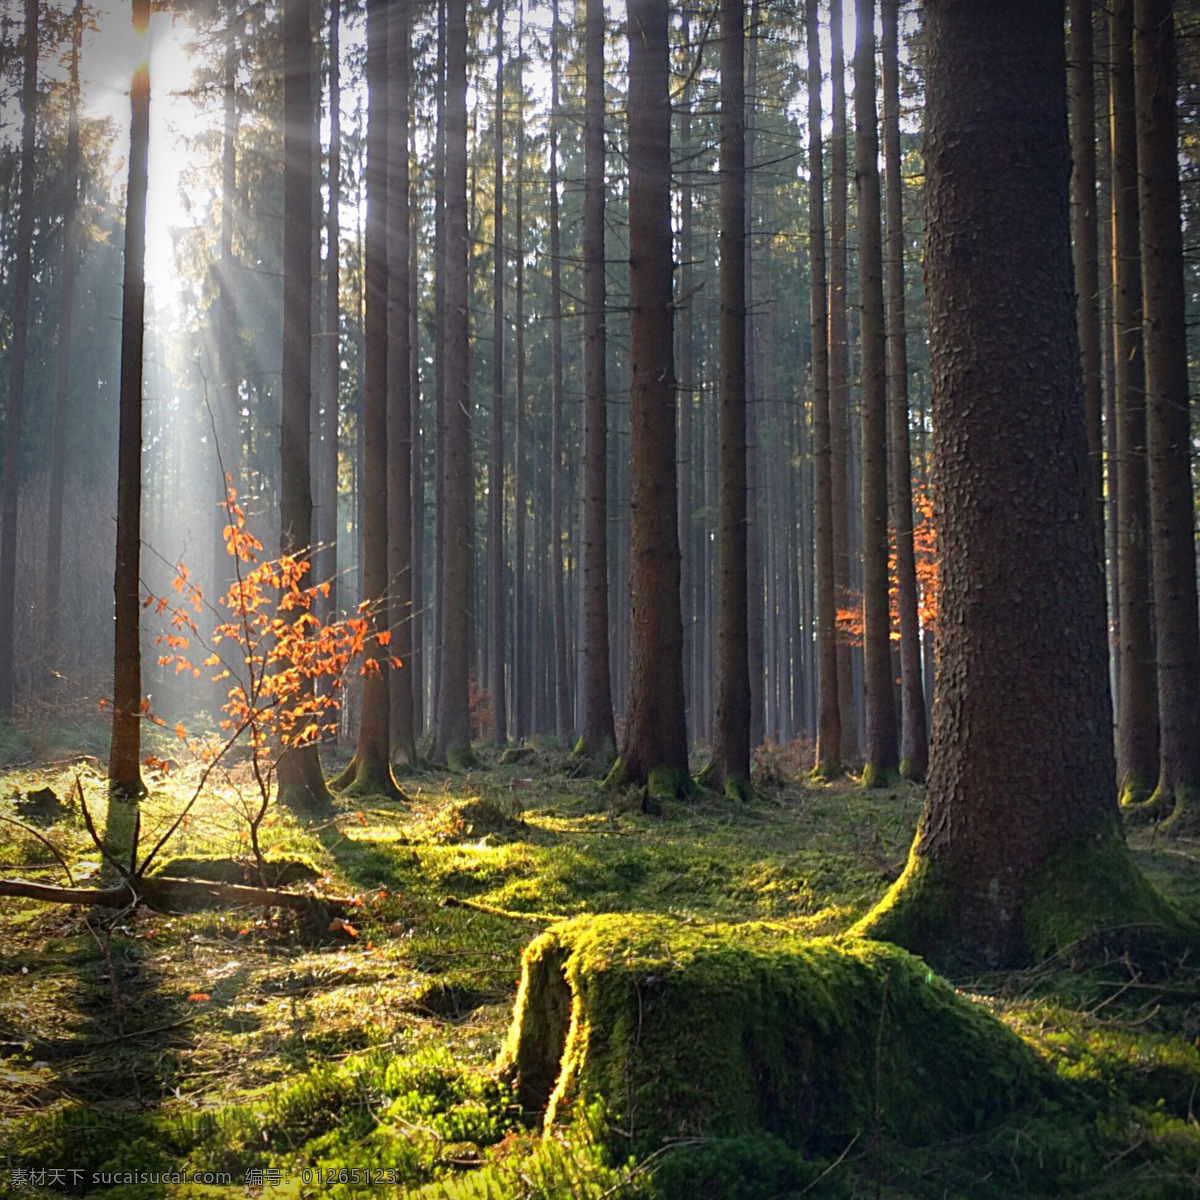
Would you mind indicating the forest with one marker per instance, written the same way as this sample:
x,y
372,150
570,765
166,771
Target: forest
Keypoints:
x,y
653,647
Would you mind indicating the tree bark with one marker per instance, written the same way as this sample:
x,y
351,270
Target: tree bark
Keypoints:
x,y
879,749
62,376
453,740
687,396
522,677
654,750
829,720
301,784
497,592
1084,230
562,683
16,380
124,770
914,738
839,375
1019,851
1137,732
400,395
599,736
730,762
1172,507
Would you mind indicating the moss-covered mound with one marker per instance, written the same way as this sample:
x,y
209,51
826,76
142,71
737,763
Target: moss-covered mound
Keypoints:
x,y
709,1030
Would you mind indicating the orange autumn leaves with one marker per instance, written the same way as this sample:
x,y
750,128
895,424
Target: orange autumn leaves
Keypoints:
x,y
850,616
270,645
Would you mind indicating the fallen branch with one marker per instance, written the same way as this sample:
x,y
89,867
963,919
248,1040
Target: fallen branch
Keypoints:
x,y
540,918
159,890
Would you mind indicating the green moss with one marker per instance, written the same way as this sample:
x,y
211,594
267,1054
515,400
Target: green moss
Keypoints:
x,y
1091,890
738,787
826,770
910,773
1136,789
810,1041
671,783
1185,815
517,754
916,911
874,776
615,779
462,759
373,778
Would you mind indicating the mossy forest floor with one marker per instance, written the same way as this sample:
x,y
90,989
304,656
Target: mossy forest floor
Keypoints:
x,y
253,1042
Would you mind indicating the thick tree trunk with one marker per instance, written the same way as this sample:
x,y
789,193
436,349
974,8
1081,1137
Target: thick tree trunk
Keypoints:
x,y
654,750
687,397
839,390
914,738
62,376
881,756
418,456
829,720
400,395
730,763
300,782
124,770
1019,851
1172,507
453,741
497,592
1137,731
16,365
1084,230
370,771
439,356
599,738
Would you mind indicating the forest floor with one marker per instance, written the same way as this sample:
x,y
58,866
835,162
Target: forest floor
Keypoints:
x,y
250,1041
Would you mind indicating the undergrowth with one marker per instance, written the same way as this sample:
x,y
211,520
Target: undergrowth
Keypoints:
x,y
252,1041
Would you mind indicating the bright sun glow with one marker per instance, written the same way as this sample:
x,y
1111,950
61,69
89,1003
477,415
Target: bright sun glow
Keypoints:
x,y
109,56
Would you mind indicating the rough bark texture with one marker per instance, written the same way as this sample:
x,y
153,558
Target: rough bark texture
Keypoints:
x,y
1084,239
654,750
914,737
521,674
124,770
1137,732
599,736
497,593
1172,510
400,393
1019,850
300,781
880,751
370,771
730,763
829,721
16,360
62,376
687,397
453,743
838,371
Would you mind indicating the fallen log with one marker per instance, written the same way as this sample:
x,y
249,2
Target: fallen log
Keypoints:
x,y
160,891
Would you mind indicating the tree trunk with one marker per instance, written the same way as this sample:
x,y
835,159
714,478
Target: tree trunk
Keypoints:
x,y
1137,734
1084,231
327,515
914,739
829,721
687,398
838,376
654,750
522,677
400,395
562,686
881,757
16,382
62,377
497,592
730,762
300,782
1172,508
418,451
124,771
453,741
439,356
1019,851
599,737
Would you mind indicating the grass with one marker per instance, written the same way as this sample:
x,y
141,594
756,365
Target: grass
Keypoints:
x,y
250,1041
